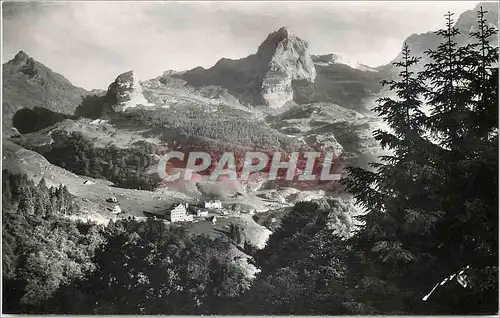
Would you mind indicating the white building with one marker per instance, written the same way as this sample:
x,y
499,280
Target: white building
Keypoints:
x,y
179,214
116,209
201,212
214,204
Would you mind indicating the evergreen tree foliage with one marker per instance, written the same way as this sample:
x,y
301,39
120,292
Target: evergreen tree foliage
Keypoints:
x,y
42,250
432,204
302,268
54,265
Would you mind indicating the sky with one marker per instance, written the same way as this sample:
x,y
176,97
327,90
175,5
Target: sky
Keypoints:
x,y
91,43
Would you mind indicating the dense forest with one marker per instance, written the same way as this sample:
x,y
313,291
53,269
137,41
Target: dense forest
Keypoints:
x,y
55,265
126,168
225,127
428,242
41,249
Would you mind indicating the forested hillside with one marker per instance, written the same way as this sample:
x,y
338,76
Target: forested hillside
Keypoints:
x,y
53,265
126,168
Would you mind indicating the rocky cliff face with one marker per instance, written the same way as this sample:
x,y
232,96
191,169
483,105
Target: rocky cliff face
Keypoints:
x,y
264,78
282,70
285,57
126,92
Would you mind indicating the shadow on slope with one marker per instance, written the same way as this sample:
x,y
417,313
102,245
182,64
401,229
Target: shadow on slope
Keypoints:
x,y
30,120
338,84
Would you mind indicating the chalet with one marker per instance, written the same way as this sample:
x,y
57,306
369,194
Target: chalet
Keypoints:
x,y
213,204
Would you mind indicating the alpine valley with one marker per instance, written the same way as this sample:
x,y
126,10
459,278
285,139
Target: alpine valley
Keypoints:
x,y
281,98
104,145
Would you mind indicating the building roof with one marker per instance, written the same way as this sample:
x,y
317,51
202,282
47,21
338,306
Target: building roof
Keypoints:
x,y
173,206
165,212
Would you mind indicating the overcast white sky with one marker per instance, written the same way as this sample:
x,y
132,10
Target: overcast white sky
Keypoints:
x,y
90,43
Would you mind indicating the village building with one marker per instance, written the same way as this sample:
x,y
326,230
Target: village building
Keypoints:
x,y
176,213
201,212
213,204
116,209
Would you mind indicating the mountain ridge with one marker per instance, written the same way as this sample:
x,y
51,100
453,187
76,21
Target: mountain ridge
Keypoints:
x,y
466,22
28,84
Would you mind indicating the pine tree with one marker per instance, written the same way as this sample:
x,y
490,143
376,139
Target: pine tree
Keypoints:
x,y
431,204
464,105
392,192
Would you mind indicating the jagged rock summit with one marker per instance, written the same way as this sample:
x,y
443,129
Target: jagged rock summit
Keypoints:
x,y
285,52
286,58
21,59
263,78
126,92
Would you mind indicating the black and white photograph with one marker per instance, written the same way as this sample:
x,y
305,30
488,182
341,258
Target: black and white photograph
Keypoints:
x,y
250,158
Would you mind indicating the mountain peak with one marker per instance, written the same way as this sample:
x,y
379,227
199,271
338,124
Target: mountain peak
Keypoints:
x,y
264,78
126,77
487,6
283,57
467,21
28,84
21,57
283,32
276,37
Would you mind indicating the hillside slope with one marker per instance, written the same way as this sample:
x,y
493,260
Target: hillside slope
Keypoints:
x,y
29,84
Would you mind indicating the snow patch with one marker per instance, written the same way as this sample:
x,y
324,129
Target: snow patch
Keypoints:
x,y
335,58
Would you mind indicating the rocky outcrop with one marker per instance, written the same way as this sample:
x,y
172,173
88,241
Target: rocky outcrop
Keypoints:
x,y
126,92
285,57
282,70
264,78
325,143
